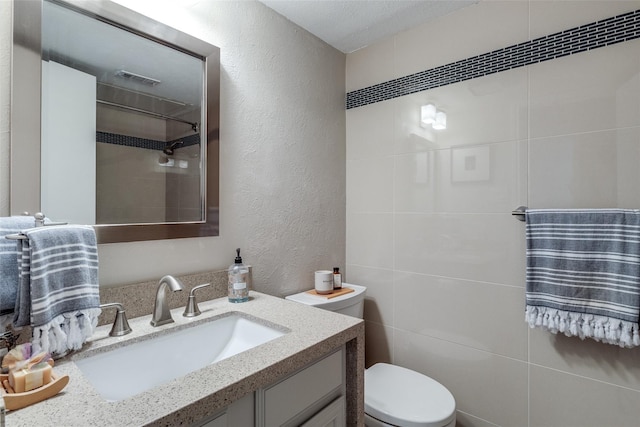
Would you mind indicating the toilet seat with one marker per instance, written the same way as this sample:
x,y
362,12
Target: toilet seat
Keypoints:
x,y
402,397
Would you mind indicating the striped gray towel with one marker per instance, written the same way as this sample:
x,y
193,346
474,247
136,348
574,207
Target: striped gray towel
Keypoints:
x,y
583,273
58,295
9,259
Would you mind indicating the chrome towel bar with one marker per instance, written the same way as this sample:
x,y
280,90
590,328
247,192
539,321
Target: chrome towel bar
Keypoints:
x,y
519,213
38,222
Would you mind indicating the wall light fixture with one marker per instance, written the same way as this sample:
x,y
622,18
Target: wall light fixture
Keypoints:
x,y
441,121
430,116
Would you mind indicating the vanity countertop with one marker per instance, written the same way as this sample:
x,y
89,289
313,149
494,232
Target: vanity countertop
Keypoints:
x,y
313,332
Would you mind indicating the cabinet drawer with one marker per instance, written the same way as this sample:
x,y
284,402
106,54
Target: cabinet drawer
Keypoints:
x,y
331,416
296,393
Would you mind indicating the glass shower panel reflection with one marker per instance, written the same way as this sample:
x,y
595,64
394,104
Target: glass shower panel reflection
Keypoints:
x,y
148,116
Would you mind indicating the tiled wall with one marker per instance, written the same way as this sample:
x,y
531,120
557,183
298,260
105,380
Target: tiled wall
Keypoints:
x,y
594,35
135,184
148,144
433,237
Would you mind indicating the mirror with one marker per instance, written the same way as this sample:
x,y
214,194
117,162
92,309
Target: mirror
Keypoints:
x,y
114,122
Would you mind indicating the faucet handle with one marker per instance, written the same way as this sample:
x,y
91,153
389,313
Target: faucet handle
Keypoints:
x,y
191,309
120,324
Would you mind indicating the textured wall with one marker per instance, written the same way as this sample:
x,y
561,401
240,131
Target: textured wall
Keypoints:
x,y
429,228
5,102
282,151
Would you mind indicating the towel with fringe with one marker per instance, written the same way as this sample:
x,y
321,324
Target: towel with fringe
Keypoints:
x,y
9,264
58,294
583,273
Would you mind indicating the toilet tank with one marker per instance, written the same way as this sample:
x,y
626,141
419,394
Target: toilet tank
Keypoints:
x,y
351,304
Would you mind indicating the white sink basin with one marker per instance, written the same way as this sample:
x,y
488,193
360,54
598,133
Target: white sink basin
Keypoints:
x,y
127,371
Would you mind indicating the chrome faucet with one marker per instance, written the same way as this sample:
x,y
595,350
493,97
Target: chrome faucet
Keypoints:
x,y
120,324
161,313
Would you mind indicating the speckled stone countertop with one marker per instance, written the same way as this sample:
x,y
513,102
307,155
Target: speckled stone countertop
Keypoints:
x,y
312,333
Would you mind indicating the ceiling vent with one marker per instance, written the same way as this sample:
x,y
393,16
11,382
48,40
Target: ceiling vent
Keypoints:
x,y
137,78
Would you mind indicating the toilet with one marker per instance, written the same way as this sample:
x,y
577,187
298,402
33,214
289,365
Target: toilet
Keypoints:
x,y
393,395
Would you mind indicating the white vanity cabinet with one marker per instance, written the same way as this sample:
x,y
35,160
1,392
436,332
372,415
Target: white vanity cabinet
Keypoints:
x,y
311,397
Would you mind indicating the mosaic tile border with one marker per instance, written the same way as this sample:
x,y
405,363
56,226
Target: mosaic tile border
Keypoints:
x,y
149,144
617,29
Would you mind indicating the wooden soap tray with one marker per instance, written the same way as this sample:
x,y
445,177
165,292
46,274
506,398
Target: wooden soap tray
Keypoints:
x,y
13,401
333,294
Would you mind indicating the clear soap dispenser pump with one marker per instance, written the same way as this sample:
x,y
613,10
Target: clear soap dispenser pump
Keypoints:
x,y
238,276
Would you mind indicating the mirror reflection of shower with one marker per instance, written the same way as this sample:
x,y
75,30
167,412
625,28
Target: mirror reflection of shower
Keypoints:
x,y
170,146
145,104
168,159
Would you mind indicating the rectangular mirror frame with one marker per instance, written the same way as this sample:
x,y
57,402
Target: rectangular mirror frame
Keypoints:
x,y
26,115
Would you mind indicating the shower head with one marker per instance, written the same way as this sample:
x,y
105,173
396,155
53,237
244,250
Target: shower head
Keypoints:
x,y
168,149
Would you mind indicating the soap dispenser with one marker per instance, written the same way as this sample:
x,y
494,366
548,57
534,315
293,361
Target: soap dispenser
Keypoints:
x,y
238,276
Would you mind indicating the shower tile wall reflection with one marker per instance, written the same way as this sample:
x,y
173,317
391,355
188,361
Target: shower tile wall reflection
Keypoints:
x,y
429,224
136,181
483,110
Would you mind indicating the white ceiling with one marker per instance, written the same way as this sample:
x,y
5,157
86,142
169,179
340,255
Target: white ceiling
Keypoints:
x,y
349,25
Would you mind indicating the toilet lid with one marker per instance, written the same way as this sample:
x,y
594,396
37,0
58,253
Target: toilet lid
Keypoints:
x,y
399,396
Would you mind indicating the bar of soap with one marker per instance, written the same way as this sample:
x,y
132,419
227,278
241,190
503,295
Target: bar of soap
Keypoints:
x,y
16,379
29,379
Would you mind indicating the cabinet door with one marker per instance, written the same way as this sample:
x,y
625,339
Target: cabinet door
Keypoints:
x,y
238,414
300,396
219,421
333,415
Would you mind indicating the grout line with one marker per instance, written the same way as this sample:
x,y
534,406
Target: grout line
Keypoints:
x,y
585,377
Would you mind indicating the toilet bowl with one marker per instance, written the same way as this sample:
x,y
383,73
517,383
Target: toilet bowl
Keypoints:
x,y
394,396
